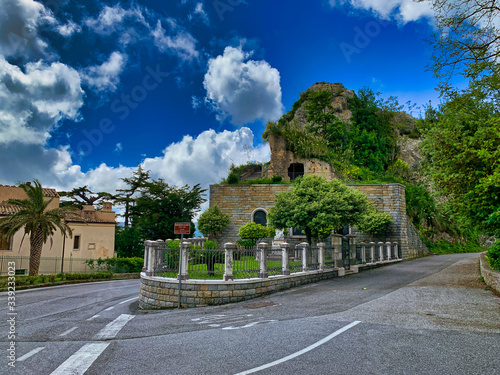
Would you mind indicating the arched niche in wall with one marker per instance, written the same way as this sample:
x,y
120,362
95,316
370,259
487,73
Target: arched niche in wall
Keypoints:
x,y
259,216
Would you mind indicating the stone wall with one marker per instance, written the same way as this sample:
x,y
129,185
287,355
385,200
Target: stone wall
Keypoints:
x,y
491,277
240,201
160,293
281,159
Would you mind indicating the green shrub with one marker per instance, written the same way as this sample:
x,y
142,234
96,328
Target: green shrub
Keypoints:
x,y
210,245
117,265
493,256
276,179
232,178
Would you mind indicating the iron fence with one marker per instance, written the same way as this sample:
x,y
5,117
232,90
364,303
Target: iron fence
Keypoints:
x,y
246,263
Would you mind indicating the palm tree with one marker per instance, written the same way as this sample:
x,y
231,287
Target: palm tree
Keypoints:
x,y
38,222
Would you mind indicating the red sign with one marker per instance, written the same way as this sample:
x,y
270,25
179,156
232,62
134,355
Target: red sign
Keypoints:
x,y
182,228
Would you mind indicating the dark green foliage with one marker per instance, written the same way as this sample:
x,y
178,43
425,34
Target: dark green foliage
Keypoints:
x,y
213,221
160,205
232,178
420,205
372,136
246,243
117,265
276,179
128,242
493,255
210,245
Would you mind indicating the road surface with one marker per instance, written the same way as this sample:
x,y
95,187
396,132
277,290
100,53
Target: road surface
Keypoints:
x,y
426,316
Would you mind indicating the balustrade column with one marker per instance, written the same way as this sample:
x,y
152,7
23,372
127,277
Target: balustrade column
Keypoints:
x,y
396,250
184,259
228,263
388,250
380,251
372,252
363,253
321,256
304,246
285,263
262,247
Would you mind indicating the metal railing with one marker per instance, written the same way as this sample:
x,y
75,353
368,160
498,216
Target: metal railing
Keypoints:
x,y
185,261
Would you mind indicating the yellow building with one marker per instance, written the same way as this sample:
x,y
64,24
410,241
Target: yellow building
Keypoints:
x,y
93,236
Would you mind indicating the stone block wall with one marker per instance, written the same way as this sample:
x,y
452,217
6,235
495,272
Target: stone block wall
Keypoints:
x,y
491,277
161,293
240,201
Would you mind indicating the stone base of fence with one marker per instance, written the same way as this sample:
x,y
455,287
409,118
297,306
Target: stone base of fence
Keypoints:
x,y
162,293
491,277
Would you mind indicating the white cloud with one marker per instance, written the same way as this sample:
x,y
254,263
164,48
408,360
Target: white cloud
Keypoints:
x,y
33,102
402,10
182,44
105,77
19,22
244,90
204,159
118,147
69,29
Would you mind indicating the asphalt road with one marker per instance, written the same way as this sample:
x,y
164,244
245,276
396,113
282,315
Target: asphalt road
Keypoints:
x,y
427,316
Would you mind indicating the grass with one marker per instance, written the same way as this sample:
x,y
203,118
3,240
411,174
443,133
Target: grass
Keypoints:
x,y
451,248
246,267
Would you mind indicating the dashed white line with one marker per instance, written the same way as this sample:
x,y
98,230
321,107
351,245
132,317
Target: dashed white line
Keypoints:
x,y
109,308
68,331
79,362
93,317
112,329
30,354
128,300
300,352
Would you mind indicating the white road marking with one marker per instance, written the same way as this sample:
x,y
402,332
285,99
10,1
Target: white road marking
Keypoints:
x,y
93,317
79,362
68,331
214,325
31,353
112,329
251,324
130,299
300,352
109,308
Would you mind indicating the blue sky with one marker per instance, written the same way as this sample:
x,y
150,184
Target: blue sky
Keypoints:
x,y
90,89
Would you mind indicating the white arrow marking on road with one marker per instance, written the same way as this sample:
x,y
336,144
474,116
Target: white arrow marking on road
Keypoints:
x,y
251,324
300,352
112,329
79,362
31,353
93,317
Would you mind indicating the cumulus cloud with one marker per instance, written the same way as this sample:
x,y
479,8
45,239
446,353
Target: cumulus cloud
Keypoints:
x,y
204,159
105,77
33,102
19,22
181,44
242,89
402,10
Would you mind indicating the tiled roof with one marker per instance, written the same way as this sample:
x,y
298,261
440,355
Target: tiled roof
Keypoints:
x,y
82,220
47,192
8,209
